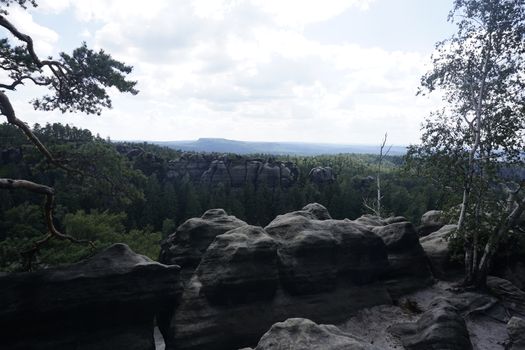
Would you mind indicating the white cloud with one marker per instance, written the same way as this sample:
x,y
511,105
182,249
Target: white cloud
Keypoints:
x,y
244,70
44,38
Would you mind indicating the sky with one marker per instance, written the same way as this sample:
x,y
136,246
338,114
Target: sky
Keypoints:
x,y
331,71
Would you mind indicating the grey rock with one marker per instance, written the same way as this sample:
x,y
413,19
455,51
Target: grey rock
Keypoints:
x,y
511,296
240,266
105,302
408,265
303,334
314,251
322,175
325,269
431,221
441,327
436,247
186,246
516,329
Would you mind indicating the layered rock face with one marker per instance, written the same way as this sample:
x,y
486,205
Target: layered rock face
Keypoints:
x,y
408,266
303,334
234,171
436,248
303,264
186,246
441,327
322,175
516,329
431,221
105,302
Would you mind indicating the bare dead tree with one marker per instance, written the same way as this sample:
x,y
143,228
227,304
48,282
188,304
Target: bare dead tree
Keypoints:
x,y
375,205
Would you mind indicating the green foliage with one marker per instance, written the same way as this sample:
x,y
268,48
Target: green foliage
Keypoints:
x,y
102,228
467,145
133,200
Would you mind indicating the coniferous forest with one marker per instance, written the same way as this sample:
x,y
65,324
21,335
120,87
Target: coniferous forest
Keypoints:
x,y
126,193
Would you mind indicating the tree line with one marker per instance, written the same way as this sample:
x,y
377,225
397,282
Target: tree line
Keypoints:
x,y
132,200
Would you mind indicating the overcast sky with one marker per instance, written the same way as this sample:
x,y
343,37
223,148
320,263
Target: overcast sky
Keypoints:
x,y
338,71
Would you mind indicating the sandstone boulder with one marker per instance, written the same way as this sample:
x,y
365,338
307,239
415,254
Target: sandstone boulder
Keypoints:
x,y
510,296
191,239
440,327
431,221
408,266
322,175
436,247
303,334
240,266
516,329
314,251
105,302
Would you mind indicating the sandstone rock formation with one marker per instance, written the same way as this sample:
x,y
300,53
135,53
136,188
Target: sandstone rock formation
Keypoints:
x,y
322,175
240,266
187,244
408,266
234,171
436,248
440,327
105,302
303,264
431,221
303,334
511,296
516,329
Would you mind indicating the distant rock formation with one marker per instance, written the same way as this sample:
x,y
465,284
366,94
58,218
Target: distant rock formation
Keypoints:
x,y
303,264
234,171
105,302
322,175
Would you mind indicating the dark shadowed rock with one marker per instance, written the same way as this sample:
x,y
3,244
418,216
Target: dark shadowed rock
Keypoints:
x,y
105,302
326,270
370,220
516,329
394,219
186,246
441,327
511,296
322,175
431,221
409,269
315,251
436,247
240,266
303,334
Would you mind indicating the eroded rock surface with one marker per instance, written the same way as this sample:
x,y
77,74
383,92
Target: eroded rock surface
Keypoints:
x,y
322,175
431,221
186,246
408,266
240,266
436,248
303,334
105,302
305,264
441,327
314,251
516,329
